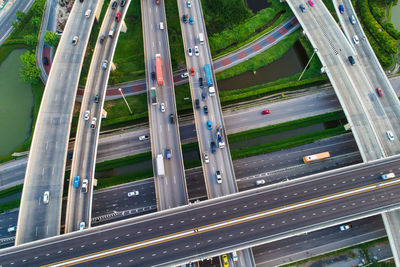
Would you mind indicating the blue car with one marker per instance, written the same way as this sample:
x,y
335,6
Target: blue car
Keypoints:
x,y
209,125
76,181
341,9
191,20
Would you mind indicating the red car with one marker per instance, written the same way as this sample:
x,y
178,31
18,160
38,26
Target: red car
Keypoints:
x,y
266,111
118,16
379,91
192,71
310,2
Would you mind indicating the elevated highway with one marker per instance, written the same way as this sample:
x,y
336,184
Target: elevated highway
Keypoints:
x,y
221,225
47,157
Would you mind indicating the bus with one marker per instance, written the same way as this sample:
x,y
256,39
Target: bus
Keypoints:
x,y
211,88
160,80
319,156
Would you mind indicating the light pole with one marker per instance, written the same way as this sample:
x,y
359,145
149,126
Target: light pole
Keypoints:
x,y
126,102
308,63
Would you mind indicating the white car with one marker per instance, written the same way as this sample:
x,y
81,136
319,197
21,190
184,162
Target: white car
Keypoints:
x,y
87,113
133,193
188,4
184,75
12,229
196,51
190,53
87,13
206,159
75,40
46,197
162,107
143,137
345,227
390,135
81,226
93,124
260,182
355,39
219,177
85,183
104,64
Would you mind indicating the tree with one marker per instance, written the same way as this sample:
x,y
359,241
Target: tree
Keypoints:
x,y
35,22
29,72
51,38
30,39
15,23
20,15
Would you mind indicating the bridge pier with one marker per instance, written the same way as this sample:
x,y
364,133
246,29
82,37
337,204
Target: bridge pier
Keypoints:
x,y
391,221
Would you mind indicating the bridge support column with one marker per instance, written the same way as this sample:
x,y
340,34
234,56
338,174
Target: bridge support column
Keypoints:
x,y
124,28
391,221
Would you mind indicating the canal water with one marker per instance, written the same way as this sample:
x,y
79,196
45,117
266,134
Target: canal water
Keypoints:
x,y
16,104
395,16
292,62
257,5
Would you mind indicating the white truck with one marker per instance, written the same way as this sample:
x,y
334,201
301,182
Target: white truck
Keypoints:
x,y
160,165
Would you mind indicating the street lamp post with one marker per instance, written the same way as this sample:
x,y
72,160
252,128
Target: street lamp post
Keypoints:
x,y
308,63
126,102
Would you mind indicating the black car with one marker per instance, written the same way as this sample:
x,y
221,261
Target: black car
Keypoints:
x,y
81,1
114,5
171,118
102,38
203,96
153,75
185,18
351,60
197,103
96,99
213,146
205,108
45,61
201,82
123,3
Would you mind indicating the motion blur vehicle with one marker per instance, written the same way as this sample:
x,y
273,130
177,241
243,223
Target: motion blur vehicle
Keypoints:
x,y
266,111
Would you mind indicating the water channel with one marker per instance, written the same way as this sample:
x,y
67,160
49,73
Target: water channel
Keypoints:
x,y
16,104
257,5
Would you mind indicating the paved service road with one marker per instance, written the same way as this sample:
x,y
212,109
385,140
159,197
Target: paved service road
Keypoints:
x,y
47,157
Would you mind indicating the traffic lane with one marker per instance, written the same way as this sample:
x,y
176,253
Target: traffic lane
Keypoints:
x,y
8,219
288,250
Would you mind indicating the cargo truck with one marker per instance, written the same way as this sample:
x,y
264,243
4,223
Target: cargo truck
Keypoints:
x,y
319,156
160,165
160,80
210,84
153,96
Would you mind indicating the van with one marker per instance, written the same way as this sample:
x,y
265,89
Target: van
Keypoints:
x,y
389,175
111,33
87,13
351,60
234,256
161,25
201,38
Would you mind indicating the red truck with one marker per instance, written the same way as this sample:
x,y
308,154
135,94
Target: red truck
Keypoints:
x,y
160,80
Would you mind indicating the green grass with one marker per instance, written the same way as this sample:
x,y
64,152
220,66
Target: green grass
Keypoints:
x,y
9,205
11,191
115,163
174,35
122,179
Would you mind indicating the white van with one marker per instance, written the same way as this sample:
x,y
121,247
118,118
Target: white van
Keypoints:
x,y
111,33
87,13
161,25
201,38
389,175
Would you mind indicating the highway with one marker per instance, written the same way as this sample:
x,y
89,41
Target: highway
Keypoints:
x,y
47,157
86,140
215,226
164,133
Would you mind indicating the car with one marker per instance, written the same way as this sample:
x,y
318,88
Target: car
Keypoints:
x,y
118,16
302,8
341,9
209,125
190,52
76,181
352,19
379,91
75,40
390,135
93,123
143,137
266,111
87,13
197,102
114,5
389,175
123,2
260,182
345,227
310,2
351,60
205,109
46,197
162,107
104,64
192,71
218,176
153,75
225,259
203,96
133,193
355,39
206,159
102,38
171,118
81,1
161,25
168,153
81,226
45,61
188,4
185,18
191,20
196,51
213,146
87,113
85,183
184,75
12,229
96,98
201,82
